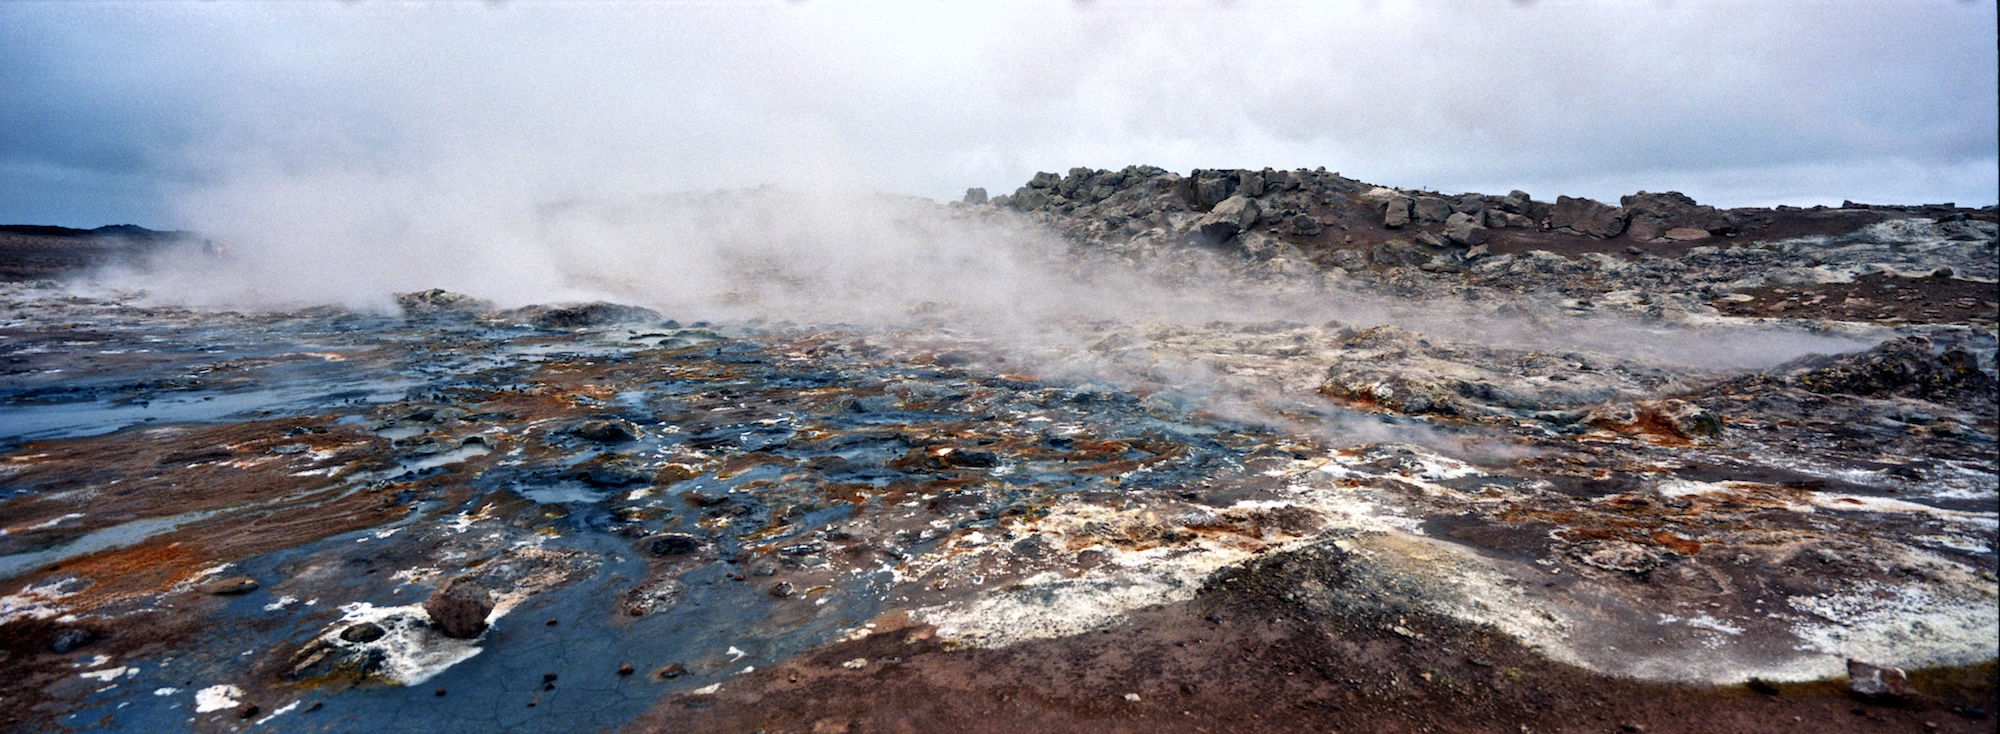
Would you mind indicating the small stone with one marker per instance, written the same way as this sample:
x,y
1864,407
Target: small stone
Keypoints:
x,y
548,677
625,669
250,711
230,586
1132,697
439,693
1874,681
674,544
363,633
670,671
70,639
782,589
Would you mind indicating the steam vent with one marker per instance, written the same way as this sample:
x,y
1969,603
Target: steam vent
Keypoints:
x,y
1115,451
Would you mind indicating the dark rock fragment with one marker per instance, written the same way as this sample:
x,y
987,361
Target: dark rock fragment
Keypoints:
x,y
605,430
459,609
1872,681
673,544
363,633
70,639
582,315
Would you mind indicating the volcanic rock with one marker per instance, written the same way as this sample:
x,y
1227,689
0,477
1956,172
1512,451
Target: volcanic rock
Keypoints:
x,y
1874,681
68,640
1429,209
606,430
1396,212
975,195
1305,225
673,544
440,301
1587,217
459,609
1464,228
1905,367
585,315
229,586
1232,215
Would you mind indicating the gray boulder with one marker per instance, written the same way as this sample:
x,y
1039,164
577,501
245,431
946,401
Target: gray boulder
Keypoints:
x,y
1232,215
1431,209
440,301
1305,225
1029,198
1396,213
1587,217
1464,228
1211,187
582,315
975,195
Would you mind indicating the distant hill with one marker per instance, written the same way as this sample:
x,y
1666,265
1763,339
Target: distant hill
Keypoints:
x,y
30,251
126,231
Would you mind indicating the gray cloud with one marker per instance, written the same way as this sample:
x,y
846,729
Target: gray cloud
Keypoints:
x,y
169,110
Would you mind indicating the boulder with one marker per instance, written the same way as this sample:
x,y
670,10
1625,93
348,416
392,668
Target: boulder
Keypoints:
x,y
1463,228
605,430
1587,217
583,315
1676,419
1497,219
440,301
1232,215
1250,183
1028,198
459,609
1044,180
975,195
1429,209
1396,212
1305,225
1211,187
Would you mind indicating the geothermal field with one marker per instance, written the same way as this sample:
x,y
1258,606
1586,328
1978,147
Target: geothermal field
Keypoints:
x,y
1117,451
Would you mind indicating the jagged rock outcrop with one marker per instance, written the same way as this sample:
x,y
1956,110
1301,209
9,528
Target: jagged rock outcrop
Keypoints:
x,y
1905,367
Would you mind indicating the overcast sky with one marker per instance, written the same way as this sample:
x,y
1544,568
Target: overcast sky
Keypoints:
x,y
153,113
